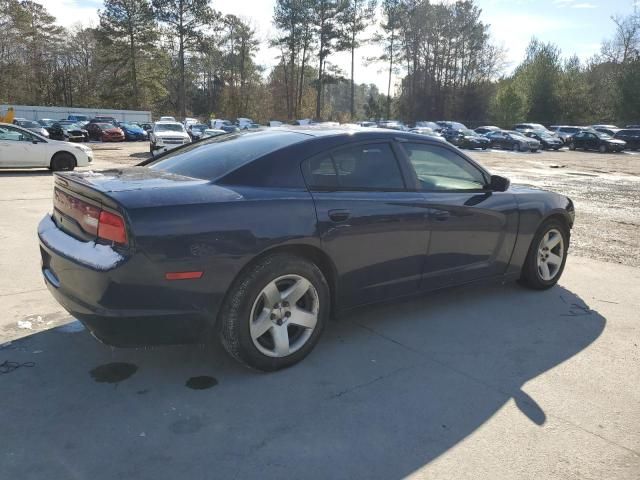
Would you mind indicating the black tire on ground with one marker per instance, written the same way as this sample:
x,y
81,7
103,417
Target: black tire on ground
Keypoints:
x,y
530,276
62,161
603,148
572,146
234,316
151,149
516,147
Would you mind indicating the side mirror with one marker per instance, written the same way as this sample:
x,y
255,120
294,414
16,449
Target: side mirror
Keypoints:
x,y
499,184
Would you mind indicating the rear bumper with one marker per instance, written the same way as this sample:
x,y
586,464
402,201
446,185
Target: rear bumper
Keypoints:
x,y
125,304
113,138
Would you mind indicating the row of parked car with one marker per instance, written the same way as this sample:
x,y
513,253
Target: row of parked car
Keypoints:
x,y
527,136
80,128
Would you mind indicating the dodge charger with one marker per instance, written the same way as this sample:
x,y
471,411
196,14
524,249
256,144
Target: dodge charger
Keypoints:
x,y
257,238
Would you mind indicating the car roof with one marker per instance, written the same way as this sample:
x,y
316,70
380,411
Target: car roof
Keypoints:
x,y
167,122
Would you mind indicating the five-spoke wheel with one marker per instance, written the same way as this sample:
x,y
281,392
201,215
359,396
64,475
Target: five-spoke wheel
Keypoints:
x,y
547,255
284,315
550,254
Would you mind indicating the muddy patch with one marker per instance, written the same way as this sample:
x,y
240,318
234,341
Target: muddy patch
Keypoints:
x,y
113,372
201,383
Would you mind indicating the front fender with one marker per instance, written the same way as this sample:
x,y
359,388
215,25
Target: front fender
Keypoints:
x,y
536,206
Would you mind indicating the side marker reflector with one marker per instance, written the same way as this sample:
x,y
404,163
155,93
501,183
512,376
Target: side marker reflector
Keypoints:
x,y
183,275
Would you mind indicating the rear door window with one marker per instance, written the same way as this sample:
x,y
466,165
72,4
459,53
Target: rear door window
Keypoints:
x,y
363,167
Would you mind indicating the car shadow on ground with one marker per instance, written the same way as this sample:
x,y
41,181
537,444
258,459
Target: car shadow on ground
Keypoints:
x,y
143,155
387,390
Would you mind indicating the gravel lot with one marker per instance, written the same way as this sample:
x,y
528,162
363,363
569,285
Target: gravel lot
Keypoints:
x,y
604,187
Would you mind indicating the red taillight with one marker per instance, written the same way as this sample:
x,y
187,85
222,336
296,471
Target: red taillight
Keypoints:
x,y
111,227
84,213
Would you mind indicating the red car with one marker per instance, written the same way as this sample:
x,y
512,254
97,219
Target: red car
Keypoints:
x,y
105,132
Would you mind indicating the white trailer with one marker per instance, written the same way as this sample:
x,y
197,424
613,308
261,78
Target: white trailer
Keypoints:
x,y
31,112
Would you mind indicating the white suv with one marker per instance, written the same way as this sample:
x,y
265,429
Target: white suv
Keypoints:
x,y
166,136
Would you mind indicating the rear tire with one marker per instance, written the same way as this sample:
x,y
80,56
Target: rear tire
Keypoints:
x,y
62,161
603,149
572,146
516,147
547,256
249,325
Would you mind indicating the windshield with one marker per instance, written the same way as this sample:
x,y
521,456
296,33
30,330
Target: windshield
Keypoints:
x,y
468,132
169,127
200,128
105,125
129,125
517,135
604,136
29,124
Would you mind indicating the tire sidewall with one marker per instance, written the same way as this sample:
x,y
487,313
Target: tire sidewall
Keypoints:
x,y
63,162
234,321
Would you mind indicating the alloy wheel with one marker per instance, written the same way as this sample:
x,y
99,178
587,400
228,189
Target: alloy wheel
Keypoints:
x,y
550,254
284,315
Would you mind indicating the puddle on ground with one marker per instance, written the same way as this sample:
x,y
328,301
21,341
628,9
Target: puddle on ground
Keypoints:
x,y
113,372
201,383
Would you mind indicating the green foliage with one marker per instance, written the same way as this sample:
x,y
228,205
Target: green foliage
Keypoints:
x,y
508,105
128,35
538,80
181,57
184,20
628,85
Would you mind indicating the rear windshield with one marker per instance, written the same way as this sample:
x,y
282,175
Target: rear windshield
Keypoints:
x,y
214,157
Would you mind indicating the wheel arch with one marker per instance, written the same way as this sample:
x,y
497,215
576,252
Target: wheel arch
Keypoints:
x,y
308,252
560,215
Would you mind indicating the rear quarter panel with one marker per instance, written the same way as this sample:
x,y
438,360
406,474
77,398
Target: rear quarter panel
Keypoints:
x,y
221,237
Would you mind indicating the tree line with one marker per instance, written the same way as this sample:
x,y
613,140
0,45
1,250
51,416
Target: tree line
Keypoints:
x,y
186,58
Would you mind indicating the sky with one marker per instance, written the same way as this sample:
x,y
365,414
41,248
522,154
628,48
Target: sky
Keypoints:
x,y
576,26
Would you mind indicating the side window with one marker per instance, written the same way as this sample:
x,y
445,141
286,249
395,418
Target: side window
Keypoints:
x,y
321,173
14,135
362,167
440,169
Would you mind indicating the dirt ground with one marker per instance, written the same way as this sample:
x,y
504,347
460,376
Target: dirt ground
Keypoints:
x,y
604,187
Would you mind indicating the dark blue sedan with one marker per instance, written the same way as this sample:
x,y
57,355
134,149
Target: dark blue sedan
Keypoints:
x,y
257,238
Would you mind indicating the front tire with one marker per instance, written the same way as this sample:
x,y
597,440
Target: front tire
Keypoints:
x,y
603,149
62,161
547,256
275,312
572,146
